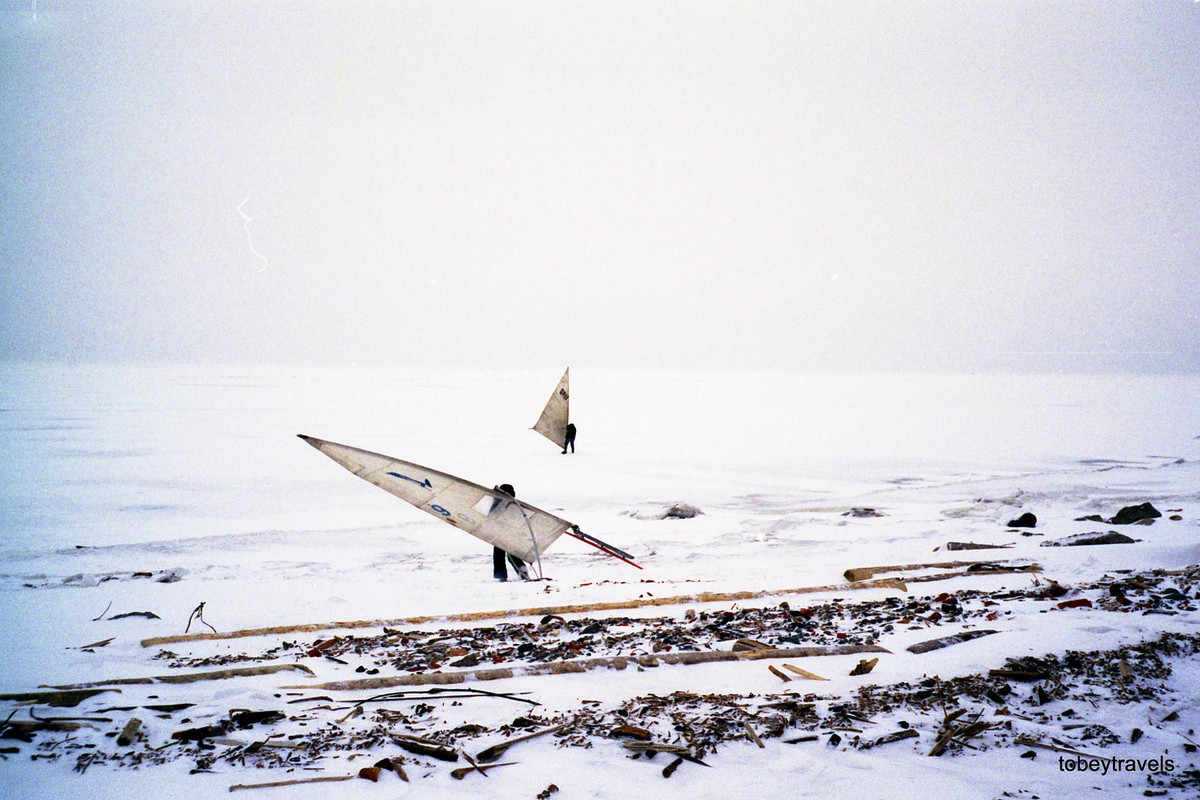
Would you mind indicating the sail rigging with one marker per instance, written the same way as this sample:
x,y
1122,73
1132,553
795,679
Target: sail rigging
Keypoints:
x,y
553,422
488,514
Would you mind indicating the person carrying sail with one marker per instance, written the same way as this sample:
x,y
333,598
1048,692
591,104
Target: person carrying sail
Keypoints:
x,y
496,517
499,556
554,421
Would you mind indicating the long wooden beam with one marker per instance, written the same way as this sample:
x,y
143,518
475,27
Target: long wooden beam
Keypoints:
x,y
858,574
537,611
577,665
191,677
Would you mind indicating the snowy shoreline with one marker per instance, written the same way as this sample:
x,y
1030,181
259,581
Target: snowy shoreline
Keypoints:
x,y
155,491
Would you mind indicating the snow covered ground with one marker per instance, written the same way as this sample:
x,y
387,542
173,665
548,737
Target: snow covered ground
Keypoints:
x,y
195,475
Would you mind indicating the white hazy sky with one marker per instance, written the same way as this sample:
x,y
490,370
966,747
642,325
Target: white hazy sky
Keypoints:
x,y
970,185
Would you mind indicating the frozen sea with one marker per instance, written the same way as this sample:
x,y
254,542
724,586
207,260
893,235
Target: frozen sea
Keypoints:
x,y
195,472
123,455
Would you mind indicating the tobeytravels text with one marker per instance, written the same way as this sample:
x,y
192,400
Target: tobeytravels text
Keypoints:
x,y
1107,765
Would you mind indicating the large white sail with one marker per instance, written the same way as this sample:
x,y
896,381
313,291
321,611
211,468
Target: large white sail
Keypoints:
x,y
494,517
553,422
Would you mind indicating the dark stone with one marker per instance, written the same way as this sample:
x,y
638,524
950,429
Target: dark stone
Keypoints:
x,y
1026,520
1131,514
681,511
862,512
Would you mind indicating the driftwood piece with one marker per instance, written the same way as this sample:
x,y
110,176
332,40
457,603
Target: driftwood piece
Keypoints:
x,y
857,574
199,734
803,673
865,666
975,571
1089,539
393,765
192,677
586,664
946,641
442,694
129,733
296,782
748,645
425,748
462,772
67,719
960,734
102,613
975,546
538,611
631,732
245,718
1024,675
659,747
907,733
94,645
198,616
168,708
1029,741
495,751
253,747
26,727
864,573
942,742
67,697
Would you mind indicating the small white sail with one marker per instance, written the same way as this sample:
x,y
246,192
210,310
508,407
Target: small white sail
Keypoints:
x,y
494,517
553,422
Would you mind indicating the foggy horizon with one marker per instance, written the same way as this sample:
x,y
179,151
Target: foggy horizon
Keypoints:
x,y
995,186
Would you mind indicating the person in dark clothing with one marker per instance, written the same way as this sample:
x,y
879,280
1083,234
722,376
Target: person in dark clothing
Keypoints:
x,y
569,441
499,567
500,558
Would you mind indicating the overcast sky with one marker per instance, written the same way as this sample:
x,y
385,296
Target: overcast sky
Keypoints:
x,y
962,185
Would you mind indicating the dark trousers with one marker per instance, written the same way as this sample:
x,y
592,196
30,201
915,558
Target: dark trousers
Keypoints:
x,y
500,569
